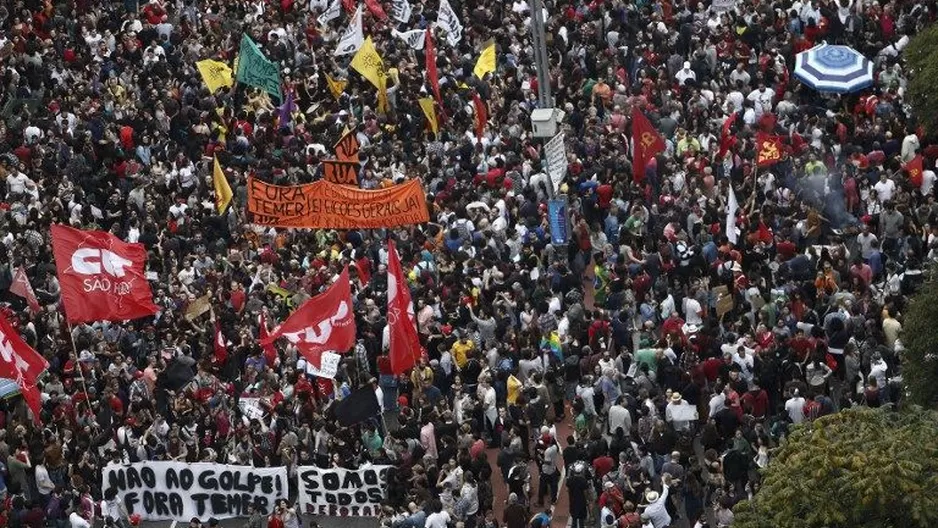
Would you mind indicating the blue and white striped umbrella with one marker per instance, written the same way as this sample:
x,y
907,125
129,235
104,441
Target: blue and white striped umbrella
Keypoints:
x,y
832,68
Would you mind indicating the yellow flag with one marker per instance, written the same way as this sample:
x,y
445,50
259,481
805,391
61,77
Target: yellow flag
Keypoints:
x,y
336,86
486,62
223,192
215,74
427,104
369,64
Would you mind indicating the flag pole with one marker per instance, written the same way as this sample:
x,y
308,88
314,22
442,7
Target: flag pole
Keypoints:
x,y
81,375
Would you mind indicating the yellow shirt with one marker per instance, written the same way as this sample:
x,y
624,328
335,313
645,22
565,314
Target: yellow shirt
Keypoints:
x,y
514,389
460,351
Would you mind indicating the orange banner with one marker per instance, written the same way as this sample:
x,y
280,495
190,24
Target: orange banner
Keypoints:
x,y
341,172
325,205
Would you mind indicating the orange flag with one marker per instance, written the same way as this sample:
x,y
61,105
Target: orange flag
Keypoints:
x,y
768,150
914,168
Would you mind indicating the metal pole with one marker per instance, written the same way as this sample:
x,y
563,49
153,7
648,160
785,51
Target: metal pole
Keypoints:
x,y
539,40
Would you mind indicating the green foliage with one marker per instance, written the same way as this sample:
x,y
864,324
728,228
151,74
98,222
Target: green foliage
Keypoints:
x,y
920,340
921,55
860,468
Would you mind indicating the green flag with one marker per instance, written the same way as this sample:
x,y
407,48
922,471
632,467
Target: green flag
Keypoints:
x,y
255,70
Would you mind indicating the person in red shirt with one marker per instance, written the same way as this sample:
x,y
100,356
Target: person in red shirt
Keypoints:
x,y
237,297
756,401
604,193
602,465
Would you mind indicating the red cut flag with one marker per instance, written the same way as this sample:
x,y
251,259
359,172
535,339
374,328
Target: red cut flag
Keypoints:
x,y
646,143
364,270
22,288
349,5
102,277
481,114
727,140
325,323
19,362
914,167
768,149
433,75
375,7
270,351
404,342
220,345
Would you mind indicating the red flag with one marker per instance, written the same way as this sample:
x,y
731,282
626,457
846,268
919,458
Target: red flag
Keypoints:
x,y
482,114
727,140
22,288
404,342
364,270
324,323
349,5
18,361
432,74
375,7
914,167
646,143
220,345
270,351
768,149
102,277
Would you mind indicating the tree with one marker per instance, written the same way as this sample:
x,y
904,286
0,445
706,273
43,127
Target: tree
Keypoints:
x,y
860,468
922,59
920,341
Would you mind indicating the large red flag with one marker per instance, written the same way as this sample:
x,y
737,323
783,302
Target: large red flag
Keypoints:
x,y
102,277
270,351
324,323
768,149
220,345
404,342
914,167
376,9
646,143
22,288
432,74
19,362
481,114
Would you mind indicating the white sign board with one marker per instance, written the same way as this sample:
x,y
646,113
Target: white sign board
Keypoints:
x,y
163,491
328,367
342,492
251,408
556,155
722,6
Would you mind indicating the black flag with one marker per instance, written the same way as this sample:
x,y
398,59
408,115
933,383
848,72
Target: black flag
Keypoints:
x,y
358,407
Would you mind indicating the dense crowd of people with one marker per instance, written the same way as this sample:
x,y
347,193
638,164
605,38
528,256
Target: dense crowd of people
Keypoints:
x,y
646,370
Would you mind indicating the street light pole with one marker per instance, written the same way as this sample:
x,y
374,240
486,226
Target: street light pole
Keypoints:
x,y
539,40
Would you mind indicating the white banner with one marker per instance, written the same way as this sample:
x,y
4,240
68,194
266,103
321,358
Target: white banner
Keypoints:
x,y
446,18
328,365
342,492
331,13
251,408
722,6
401,10
166,491
556,155
414,38
354,35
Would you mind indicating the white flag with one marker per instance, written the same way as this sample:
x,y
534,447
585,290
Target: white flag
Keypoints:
x,y
332,12
556,155
446,18
732,206
354,35
414,38
401,11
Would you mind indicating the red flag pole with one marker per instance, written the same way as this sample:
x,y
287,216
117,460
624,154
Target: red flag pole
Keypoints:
x,y
81,374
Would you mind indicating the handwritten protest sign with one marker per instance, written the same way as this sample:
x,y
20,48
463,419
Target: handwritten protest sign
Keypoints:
x,y
180,491
342,492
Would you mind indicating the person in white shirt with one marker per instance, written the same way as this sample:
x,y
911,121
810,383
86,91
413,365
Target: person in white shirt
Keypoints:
x,y
928,182
761,99
795,408
884,188
43,482
75,520
685,74
656,511
619,418
438,519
